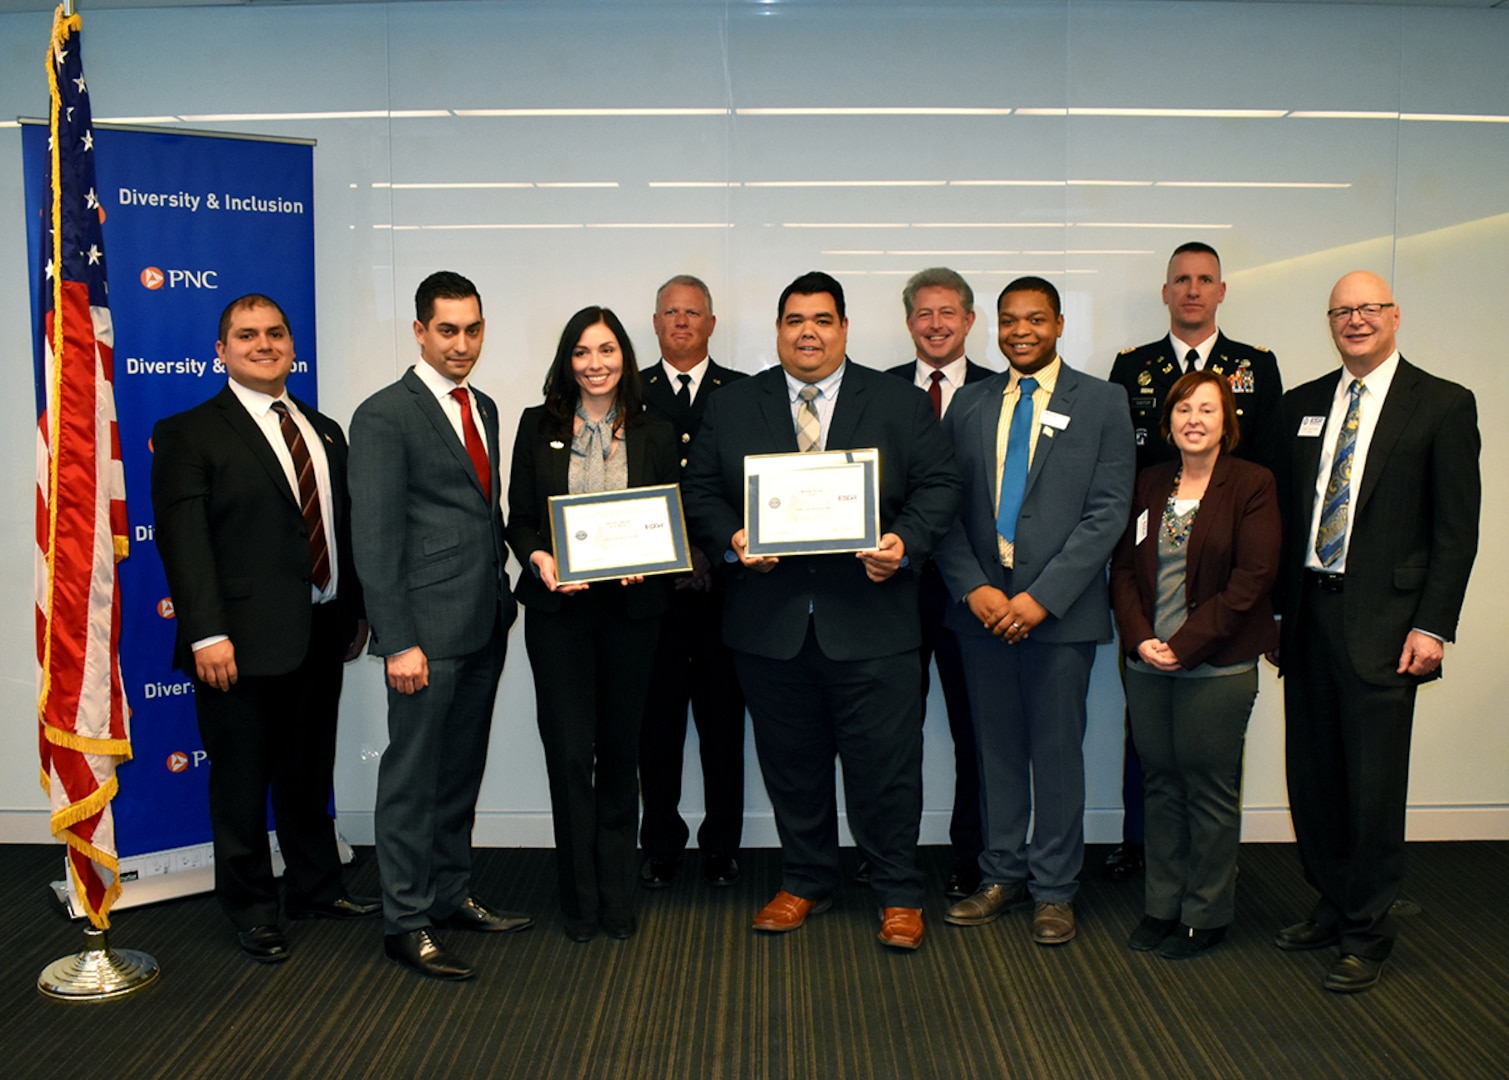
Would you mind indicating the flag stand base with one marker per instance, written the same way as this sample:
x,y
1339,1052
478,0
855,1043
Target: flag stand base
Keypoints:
x,y
99,973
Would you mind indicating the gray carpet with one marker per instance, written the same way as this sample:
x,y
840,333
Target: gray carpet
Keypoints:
x,y
697,994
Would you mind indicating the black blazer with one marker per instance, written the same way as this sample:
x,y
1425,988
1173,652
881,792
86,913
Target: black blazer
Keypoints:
x,y
1148,372
973,372
541,468
855,618
1232,558
1414,520
660,400
233,540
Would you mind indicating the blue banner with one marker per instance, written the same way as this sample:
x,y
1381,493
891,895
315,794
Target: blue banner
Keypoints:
x,y
191,222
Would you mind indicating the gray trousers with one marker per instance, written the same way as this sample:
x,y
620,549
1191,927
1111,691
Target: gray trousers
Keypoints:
x,y
1189,733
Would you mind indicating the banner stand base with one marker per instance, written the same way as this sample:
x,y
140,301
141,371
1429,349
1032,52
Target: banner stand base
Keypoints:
x,y
99,973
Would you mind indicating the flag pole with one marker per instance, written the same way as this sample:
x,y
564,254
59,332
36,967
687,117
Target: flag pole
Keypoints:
x,y
98,972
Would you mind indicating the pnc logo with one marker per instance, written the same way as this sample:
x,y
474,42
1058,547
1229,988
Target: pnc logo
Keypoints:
x,y
165,607
152,278
178,761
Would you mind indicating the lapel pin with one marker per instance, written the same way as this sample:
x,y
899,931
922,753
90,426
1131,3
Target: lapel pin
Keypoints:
x,y
556,444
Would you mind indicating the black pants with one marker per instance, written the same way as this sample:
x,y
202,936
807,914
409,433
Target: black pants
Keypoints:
x,y
592,667
1347,745
809,710
275,733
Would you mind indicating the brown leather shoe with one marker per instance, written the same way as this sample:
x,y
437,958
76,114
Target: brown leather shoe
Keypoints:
x,y
987,905
901,927
1052,924
787,912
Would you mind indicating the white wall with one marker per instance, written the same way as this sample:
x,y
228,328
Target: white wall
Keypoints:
x,y
1414,190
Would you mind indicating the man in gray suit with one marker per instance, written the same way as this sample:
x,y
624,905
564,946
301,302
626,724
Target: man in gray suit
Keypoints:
x,y
1046,454
427,533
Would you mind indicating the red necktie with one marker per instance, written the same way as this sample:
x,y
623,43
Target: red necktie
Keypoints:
x,y
935,391
309,498
474,443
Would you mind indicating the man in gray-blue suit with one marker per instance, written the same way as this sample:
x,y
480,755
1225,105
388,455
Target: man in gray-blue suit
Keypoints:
x,y
427,533
1046,455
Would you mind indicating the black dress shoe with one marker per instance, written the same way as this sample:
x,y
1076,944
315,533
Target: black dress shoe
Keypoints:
x,y
619,925
342,907
863,871
1353,973
1187,942
720,870
1306,935
1123,863
473,914
657,873
963,881
421,950
580,930
1150,933
264,944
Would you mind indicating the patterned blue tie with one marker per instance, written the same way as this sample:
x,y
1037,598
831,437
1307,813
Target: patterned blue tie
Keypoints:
x,y
1014,472
1332,533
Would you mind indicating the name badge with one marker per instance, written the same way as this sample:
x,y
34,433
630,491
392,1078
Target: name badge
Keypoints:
x,y
1142,527
1055,419
1310,426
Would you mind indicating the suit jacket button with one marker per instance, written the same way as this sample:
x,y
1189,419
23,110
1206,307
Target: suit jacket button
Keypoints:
x,y
686,436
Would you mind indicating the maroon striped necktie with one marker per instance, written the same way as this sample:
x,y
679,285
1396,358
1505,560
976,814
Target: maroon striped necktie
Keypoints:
x,y
309,498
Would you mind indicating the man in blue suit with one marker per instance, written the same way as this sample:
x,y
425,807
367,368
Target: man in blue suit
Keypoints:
x,y
1046,455
427,530
826,645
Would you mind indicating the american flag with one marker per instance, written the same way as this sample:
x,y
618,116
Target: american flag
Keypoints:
x,y
81,499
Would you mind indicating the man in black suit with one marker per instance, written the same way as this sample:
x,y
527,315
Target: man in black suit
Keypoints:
x,y
940,311
691,662
253,525
1382,495
428,532
826,645
1192,292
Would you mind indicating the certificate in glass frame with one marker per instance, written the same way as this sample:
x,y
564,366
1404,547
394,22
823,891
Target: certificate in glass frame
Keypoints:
x,y
605,535
815,503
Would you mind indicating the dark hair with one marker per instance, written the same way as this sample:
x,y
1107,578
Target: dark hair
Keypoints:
x,y
1188,383
690,281
561,391
442,285
1196,247
937,277
1034,284
810,284
246,303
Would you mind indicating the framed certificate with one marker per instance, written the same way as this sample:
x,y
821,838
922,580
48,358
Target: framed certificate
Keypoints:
x,y
615,534
813,503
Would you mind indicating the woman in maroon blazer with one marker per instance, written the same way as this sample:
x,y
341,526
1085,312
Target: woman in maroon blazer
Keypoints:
x,y
1190,585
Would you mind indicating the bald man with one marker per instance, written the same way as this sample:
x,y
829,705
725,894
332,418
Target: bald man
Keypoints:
x,y
1382,496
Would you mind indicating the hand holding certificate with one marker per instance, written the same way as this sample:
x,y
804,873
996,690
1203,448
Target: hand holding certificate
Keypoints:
x,y
618,534
812,503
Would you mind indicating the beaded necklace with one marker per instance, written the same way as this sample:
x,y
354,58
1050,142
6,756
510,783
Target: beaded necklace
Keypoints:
x,y
1178,532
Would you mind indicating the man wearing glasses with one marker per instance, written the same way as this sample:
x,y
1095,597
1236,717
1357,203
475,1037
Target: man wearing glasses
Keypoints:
x,y
1382,489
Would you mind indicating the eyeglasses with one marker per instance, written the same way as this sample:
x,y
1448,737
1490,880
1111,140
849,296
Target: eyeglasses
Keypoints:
x,y
1370,312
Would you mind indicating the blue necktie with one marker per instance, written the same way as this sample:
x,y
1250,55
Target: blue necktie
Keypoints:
x,y
1014,473
1333,516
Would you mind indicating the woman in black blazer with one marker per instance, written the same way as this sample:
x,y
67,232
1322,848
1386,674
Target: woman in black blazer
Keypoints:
x,y
1190,585
590,647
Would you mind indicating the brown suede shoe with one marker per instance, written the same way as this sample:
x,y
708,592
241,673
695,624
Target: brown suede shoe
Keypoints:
x,y
787,912
901,927
1052,924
